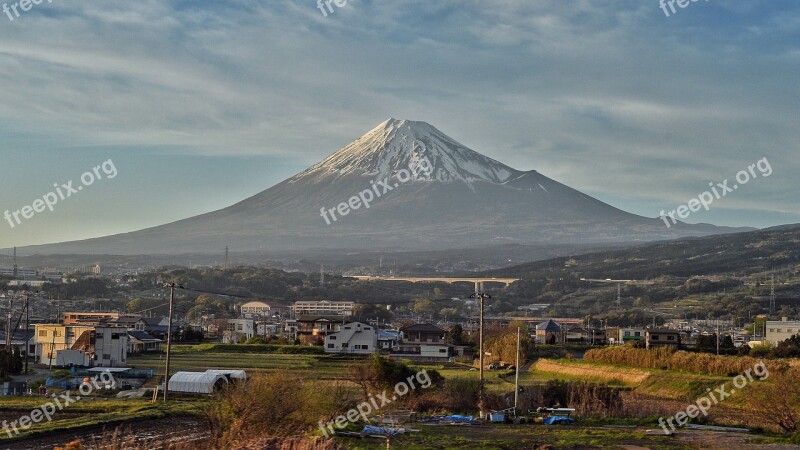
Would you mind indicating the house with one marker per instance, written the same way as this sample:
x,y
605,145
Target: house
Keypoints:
x,y
630,334
25,342
423,340
353,338
388,339
662,336
131,323
588,336
549,332
320,326
781,330
89,318
239,330
102,346
323,307
141,342
157,326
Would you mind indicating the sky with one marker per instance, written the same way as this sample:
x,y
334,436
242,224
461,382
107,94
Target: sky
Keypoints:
x,y
197,105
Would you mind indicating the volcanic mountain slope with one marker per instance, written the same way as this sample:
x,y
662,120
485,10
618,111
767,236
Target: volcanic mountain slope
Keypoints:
x,y
439,194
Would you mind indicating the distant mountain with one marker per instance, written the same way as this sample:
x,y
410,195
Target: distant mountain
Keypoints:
x,y
738,253
424,190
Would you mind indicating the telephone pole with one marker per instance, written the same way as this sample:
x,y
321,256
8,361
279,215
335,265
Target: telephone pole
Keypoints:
x,y
171,287
481,297
516,378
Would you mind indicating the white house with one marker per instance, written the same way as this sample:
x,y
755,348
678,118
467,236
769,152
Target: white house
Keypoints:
x,y
781,330
354,338
239,330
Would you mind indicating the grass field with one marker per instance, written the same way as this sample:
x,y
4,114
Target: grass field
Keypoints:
x,y
501,437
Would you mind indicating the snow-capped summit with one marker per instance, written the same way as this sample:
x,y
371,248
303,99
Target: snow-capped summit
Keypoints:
x,y
399,144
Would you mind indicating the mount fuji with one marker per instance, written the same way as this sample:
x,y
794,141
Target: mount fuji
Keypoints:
x,y
463,200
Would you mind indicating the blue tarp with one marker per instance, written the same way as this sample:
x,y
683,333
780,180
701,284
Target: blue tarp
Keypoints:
x,y
371,429
451,418
559,420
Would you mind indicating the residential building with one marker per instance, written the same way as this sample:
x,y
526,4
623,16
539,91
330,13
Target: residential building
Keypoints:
x,y
781,330
662,336
239,330
131,323
388,339
103,346
423,340
25,342
549,332
353,338
89,318
318,325
323,307
631,334
588,336
141,342
255,309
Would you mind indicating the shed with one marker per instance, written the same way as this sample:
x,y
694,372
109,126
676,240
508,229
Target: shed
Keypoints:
x,y
197,382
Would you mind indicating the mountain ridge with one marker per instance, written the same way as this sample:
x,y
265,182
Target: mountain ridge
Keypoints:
x,y
466,199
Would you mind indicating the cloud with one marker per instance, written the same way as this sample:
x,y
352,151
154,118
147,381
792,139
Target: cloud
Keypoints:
x,y
609,97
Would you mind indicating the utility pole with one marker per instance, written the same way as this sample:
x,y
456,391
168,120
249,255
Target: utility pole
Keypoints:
x,y
8,324
772,294
27,327
171,287
516,378
481,297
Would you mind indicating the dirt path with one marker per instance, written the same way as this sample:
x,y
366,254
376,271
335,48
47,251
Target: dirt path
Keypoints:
x,y
151,434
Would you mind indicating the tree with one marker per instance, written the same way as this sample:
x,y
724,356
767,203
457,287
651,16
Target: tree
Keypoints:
x,y
15,366
776,401
790,348
456,335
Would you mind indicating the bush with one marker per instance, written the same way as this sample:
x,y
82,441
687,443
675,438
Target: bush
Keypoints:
x,y
670,359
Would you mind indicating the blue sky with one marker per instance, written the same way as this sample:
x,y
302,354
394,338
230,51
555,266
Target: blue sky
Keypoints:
x,y
202,104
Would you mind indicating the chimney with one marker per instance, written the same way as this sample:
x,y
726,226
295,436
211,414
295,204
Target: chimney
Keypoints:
x,y
784,319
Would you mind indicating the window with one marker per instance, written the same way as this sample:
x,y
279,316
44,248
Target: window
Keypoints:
x,y
106,356
627,333
346,328
42,332
367,328
637,333
344,344
655,337
331,346
670,338
333,338
56,333
442,350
